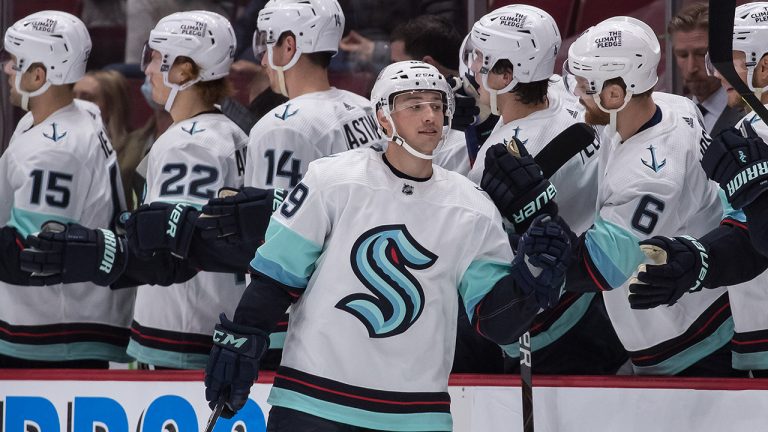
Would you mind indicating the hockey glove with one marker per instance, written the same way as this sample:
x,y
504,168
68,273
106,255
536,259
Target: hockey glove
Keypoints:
x,y
73,253
517,186
239,216
738,164
233,364
681,267
161,226
466,111
542,258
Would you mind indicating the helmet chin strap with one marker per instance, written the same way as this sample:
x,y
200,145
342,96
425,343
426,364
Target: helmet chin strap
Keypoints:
x,y
494,93
397,139
25,95
750,77
175,88
281,69
612,112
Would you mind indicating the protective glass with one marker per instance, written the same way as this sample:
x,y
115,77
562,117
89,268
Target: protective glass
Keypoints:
x,y
146,56
576,85
259,45
472,58
709,65
7,61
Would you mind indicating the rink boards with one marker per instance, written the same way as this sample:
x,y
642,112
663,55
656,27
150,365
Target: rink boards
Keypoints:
x,y
123,401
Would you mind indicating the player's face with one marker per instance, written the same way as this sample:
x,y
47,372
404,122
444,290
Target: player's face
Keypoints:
x,y
152,69
592,114
419,117
9,60
740,64
690,48
281,54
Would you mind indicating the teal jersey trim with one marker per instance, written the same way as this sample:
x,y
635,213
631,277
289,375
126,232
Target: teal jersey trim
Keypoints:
x,y
277,340
614,250
478,281
358,417
27,222
164,358
66,351
692,354
566,322
750,361
286,256
728,210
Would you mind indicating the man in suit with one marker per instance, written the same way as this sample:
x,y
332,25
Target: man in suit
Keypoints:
x,y
690,42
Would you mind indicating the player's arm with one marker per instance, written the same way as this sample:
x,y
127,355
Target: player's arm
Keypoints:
x,y
10,269
502,300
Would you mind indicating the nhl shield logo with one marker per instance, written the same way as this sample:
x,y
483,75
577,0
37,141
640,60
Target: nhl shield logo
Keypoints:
x,y
407,189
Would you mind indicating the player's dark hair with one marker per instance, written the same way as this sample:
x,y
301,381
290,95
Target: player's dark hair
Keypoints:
x,y
211,92
692,17
430,35
322,59
526,93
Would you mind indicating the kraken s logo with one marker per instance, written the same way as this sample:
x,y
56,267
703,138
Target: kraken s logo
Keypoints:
x,y
381,258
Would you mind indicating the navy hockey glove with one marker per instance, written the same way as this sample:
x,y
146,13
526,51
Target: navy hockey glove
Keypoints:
x,y
161,226
73,253
466,112
233,364
738,164
239,216
517,186
681,267
542,258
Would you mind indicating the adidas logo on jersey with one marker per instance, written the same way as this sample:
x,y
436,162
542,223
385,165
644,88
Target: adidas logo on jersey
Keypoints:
x,y
689,121
535,205
746,176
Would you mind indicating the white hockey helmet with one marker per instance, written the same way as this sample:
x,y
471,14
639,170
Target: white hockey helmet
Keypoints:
x,y
525,35
56,39
750,36
317,26
205,37
405,77
619,47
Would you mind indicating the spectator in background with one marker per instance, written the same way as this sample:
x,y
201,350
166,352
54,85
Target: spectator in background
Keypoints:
x,y
690,42
109,91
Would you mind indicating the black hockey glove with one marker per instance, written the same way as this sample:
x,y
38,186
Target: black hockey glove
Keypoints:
x,y
738,164
239,216
517,186
542,258
161,227
466,111
73,253
681,267
233,364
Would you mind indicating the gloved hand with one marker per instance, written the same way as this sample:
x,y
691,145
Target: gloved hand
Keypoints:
x,y
161,226
681,267
233,364
239,216
517,186
542,258
466,110
739,164
73,253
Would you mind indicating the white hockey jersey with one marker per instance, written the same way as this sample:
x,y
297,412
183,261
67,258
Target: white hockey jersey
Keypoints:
x,y
288,138
62,169
652,184
189,163
380,260
576,180
453,154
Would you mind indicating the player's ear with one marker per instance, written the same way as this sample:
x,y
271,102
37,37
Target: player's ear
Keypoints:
x,y
384,122
761,72
612,96
38,73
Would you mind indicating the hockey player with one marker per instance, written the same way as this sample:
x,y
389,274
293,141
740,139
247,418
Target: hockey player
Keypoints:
x,y
511,53
724,256
59,166
295,41
365,247
649,184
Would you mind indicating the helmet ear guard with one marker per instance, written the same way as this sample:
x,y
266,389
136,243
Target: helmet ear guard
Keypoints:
x,y
411,76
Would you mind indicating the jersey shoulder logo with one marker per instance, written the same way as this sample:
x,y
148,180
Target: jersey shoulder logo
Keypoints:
x,y
55,136
193,130
654,165
381,259
689,121
286,114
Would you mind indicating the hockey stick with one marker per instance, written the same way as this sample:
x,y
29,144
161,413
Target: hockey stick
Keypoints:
x,y
721,52
215,415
